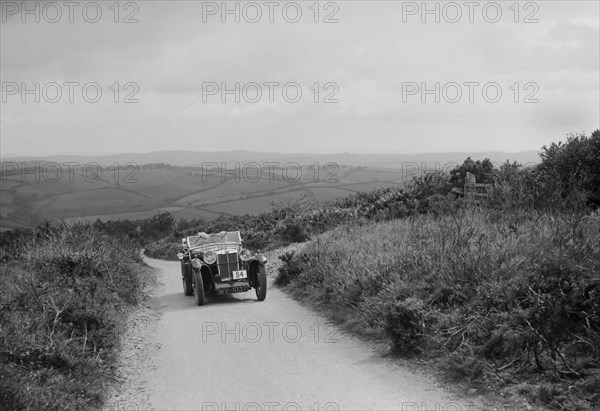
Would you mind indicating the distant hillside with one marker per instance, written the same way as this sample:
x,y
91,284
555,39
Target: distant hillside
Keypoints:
x,y
196,158
195,185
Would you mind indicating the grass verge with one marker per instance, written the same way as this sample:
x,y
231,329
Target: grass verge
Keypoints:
x,y
509,301
65,292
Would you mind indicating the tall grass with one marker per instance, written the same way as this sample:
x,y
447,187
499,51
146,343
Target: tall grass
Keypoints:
x,y
63,295
495,294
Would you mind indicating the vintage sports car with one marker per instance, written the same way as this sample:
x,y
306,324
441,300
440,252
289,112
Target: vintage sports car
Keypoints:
x,y
217,263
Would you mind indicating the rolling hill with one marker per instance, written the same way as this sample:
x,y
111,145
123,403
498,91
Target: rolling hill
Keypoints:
x,y
200,184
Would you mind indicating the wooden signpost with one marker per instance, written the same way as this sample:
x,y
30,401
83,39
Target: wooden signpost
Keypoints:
x,y
473,189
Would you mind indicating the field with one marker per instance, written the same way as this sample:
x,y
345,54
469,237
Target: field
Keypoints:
x,y
186,192
202,185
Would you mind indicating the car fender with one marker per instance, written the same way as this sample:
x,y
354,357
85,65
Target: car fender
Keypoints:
x,y
207,275
197,263
259,258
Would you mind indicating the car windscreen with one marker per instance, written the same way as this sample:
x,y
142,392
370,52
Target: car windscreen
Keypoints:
x,y
216,241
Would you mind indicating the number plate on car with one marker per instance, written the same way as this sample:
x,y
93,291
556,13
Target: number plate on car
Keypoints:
x,y
239,274
231,290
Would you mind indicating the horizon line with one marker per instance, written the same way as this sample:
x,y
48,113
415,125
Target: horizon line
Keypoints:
x,y
5,158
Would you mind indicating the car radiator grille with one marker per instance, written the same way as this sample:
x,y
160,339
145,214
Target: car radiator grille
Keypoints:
x,y
227,263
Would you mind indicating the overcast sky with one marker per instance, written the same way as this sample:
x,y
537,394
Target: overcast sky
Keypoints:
x,y
381,65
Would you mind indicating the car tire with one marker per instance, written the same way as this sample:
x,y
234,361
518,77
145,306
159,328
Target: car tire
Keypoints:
x,y
198,287
261,290
186,279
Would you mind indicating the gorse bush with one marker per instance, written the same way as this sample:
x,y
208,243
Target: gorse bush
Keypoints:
x,y
483,171
289,270
574,166
141,232
63,296
166,249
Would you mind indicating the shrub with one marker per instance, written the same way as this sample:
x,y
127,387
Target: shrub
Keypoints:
x,y
166,249
292,232
289,270
574,166
405,324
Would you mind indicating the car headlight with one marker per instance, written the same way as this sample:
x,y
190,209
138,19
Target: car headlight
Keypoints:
x,y
210,257
245,254
180,256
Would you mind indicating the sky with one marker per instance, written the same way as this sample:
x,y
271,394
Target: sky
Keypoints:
x,y
296,77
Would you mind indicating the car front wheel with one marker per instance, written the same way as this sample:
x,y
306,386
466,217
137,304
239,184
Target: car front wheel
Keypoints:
x,y
186,279
198,288
261,290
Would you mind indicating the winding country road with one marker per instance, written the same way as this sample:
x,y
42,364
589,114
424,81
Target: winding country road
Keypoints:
x,y
238,353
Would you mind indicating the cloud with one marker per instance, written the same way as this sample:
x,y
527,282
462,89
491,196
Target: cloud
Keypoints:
x,y
369,56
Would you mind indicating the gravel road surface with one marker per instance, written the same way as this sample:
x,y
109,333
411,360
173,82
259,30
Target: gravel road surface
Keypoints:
x,y
236,353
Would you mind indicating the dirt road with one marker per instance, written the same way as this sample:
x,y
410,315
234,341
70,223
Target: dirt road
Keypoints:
x,y
238,353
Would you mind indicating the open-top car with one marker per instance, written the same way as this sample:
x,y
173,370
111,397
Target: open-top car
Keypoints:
x,y
217,263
